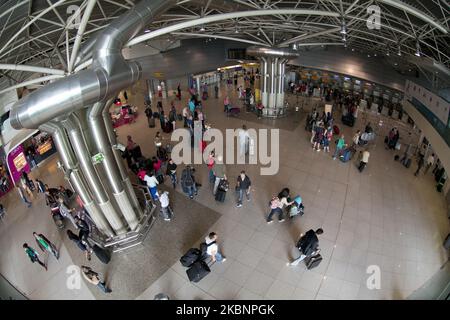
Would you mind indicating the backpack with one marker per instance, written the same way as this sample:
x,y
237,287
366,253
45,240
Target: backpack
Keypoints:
x,y
204,248
186,178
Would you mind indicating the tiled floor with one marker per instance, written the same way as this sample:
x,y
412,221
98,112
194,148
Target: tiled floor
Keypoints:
x,y
384,216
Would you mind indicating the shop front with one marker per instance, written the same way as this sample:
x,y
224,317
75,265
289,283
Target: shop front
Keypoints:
x,y
28,154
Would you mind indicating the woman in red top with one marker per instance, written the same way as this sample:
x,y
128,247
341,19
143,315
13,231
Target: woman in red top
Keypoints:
x,y
211,161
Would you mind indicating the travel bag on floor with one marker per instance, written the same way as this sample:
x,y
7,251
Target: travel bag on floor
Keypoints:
x,y
192,255
198,271
220,195
151,122
312,262
104,255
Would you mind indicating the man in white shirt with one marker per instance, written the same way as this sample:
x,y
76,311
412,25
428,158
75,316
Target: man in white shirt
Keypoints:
x,y
243,140
152,182
364,160
166,211
212,249
430,161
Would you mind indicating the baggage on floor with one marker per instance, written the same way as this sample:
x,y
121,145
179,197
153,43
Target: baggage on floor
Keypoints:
x,y
180,117
396,158
312,262
224,185
151,122
336,129
447,242
346,155
386,139
348,120
167,127
191,256
220,195
198,271
104,255
398,146
408,163
160,178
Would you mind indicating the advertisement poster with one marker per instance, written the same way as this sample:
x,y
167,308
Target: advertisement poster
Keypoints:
x,y
17,163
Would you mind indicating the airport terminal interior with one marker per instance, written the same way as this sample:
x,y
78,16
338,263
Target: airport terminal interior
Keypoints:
x,y
337,111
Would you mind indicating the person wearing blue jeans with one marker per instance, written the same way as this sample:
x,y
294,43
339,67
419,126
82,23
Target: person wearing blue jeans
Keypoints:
x,y
152,182
243,186
92,277
340,145
22,196
213,249
172,172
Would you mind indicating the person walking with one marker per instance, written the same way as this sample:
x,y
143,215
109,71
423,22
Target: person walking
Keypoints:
x,y
211,248
185,113
22,196
328,135
340,145
243,141
308,246
211,162
318,136
33,255
152,182
356,138
364,160
430,161
166,210
93,277
226,104
40,186
420,164
243,186
188,182
216,91
172,172
46,245
220,172
65,211
179,92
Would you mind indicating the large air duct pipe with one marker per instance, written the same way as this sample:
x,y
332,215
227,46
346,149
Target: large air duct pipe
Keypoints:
x,y
77,139
100,138
277,57
123,172
110,73
76,177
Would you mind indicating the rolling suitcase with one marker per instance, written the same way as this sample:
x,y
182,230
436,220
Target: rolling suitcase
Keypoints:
x,y
407,163
220,195
192,255
198,271
103,255
347,155
151,122
312,262
336,129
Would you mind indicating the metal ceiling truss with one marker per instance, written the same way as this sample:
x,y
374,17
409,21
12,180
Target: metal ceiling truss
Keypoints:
x,y
42,36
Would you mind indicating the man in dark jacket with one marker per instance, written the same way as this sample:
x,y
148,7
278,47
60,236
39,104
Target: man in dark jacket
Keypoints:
x,y
308,246
188,182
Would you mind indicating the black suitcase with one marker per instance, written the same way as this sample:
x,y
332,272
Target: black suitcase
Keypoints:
x,y
192,255
396,158
220,195
104,255
198,271
447,242
151,122
180,117
408,163
312,262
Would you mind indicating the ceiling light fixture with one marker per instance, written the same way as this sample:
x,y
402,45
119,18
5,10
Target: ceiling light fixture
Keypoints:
x,y
202,29
418,54
343,28
146,30
399,53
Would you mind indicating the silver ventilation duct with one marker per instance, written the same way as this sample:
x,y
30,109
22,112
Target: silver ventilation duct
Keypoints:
x,y
271,52
76,177
110,73
78,142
